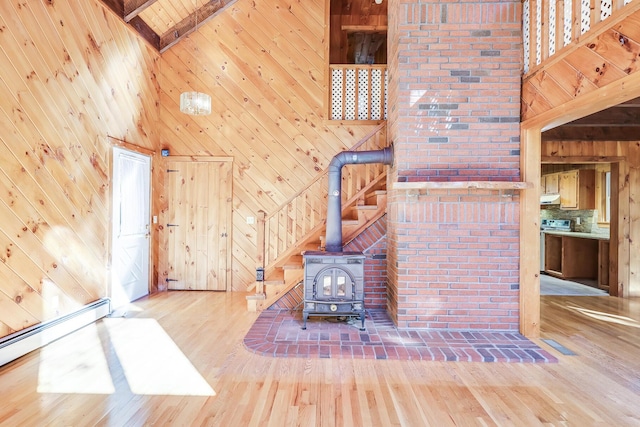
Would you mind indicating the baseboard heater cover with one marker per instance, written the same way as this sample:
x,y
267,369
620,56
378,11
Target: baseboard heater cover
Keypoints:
x,y
22,342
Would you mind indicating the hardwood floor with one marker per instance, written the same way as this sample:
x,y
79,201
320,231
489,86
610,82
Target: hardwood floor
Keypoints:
x,y
180,361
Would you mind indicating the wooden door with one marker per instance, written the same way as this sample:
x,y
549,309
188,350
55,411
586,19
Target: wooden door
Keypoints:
x,y
130,227
199,224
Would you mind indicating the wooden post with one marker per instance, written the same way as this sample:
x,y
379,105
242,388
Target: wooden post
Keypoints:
x,y
530,148
262,215
254,302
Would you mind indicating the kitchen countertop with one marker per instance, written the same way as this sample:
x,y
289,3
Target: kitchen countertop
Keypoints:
x,y
577,234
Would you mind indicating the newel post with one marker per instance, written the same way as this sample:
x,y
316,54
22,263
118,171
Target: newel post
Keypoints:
x,y
255,302
260,240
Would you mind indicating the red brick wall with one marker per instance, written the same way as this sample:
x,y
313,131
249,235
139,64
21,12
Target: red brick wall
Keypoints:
x,y
454,87
373,243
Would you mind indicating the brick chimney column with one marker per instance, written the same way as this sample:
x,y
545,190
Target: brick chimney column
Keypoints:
x,y
454,112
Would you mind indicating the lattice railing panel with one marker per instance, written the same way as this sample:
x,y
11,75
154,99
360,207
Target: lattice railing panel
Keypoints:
x,y
549,25
358,92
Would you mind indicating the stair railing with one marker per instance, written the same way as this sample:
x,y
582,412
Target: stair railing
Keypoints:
x,y
306,210
551,25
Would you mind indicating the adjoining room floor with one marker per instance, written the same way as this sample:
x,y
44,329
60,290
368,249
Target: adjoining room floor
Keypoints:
x,y
278,333
550,285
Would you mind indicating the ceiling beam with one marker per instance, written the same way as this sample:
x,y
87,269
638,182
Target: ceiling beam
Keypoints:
x,y
620,115
116,5
132,8
146,32
188,24
592,133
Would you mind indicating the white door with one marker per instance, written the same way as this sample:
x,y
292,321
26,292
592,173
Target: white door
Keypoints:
x,y
130,229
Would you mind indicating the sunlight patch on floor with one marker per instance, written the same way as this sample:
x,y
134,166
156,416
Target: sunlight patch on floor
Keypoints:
x,y
606,317
152,362
75,369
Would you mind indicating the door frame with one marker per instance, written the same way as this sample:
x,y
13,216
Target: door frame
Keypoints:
x,y
530,160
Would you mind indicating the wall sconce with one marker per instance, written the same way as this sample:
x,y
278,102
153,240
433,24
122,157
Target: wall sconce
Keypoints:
x,y
378,1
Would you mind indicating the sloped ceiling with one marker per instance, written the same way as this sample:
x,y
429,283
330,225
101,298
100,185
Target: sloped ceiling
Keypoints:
x,y
163,23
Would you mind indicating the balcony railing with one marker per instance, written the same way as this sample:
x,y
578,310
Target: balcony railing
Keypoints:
x,y
358,92
549,25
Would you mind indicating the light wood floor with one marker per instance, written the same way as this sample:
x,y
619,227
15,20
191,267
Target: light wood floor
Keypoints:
x,y
122,371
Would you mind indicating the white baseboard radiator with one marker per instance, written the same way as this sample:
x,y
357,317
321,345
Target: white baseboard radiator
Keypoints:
x,y
25,341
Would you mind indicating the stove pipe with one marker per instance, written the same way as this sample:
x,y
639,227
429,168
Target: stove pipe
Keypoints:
x,y
334,205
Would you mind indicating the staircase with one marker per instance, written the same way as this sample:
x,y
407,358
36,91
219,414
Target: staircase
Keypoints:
x,y
299,224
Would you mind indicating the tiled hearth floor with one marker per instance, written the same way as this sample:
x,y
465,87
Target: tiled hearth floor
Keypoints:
x,y
278,333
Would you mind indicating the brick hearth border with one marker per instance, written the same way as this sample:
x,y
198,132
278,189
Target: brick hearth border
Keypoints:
x,y
278,333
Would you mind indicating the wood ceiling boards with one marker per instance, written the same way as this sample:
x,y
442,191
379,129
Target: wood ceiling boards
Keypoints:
x,y
163,23
618,123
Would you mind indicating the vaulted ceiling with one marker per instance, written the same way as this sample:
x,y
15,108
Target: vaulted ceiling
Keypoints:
x,y
163,23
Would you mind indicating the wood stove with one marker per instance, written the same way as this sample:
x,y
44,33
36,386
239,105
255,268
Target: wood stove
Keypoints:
x,y
333,279
333,285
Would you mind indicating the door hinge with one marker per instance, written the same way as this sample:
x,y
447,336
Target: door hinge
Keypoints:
x,y
170,280
173,170
172,225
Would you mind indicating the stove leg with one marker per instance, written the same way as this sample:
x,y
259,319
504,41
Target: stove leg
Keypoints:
x,y
305,316
362,319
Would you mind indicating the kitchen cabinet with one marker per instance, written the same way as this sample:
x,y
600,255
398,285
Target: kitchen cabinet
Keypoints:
x,y
578,189
553,254
551,183
570,257
603,264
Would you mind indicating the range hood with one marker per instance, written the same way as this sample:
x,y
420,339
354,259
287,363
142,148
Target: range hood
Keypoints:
x,y
550,199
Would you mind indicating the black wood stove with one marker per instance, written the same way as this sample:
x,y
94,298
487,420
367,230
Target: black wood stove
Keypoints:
x,y
333,285
334,280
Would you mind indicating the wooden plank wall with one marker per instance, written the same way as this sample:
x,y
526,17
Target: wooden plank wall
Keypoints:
x,y
71,76
264,66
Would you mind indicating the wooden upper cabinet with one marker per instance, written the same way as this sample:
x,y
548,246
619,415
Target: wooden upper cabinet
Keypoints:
x,y
551,183
577,189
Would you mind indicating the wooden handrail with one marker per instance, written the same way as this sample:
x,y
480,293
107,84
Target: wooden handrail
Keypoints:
x,y
324,173
305,211
571,22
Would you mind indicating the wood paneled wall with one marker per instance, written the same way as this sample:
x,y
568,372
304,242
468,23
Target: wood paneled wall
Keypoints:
x,y
75,81
264,66
71,76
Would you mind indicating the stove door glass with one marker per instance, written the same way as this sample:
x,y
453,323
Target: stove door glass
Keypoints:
x,y
326,285
342,286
